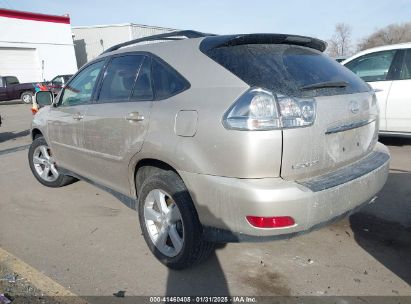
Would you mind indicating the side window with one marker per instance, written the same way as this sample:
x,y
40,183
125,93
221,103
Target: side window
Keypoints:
x,y
80,89
66,78
119,78
57,80
12,80
1,82
406,66
167,82
372,67
143,89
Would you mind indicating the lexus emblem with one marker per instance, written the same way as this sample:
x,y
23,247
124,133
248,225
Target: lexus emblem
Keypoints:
x,y
354,107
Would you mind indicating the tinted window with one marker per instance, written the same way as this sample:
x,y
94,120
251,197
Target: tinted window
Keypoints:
x,y
167,82
372,67
67,78
58,80
142,88
406,66
80,89
285,69
119,78
12,80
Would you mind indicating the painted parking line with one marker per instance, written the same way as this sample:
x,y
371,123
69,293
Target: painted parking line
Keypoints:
x,y
42,282
15,149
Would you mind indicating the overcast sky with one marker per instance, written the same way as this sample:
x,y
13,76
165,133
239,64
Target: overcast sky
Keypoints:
x,y
315,18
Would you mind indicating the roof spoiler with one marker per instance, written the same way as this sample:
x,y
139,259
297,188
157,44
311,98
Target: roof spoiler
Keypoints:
x,y
176,35
212,42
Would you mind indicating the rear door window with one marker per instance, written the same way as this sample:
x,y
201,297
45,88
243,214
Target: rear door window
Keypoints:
x,y
406,66
143,89
119,78
285,69
374,66
167,81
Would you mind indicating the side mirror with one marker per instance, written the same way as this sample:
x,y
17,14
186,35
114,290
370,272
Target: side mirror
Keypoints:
x,y
44,98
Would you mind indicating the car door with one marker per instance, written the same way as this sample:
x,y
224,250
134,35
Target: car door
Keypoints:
x,y
12,88
65,124
116,124
3,91
398,113
376,69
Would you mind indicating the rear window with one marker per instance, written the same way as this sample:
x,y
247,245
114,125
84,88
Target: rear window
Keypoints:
x,y
167,82
284,69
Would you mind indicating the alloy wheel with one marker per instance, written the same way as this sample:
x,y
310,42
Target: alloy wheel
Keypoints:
x,y
27,98
44,164
164,222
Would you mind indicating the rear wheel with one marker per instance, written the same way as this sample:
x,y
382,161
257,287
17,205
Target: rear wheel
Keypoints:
x,y
43,165
169,222
27,97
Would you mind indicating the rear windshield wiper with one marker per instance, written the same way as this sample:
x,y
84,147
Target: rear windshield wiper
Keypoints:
x,y
327,84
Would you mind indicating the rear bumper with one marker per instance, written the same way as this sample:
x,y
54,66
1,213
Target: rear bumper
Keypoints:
x,y
223,203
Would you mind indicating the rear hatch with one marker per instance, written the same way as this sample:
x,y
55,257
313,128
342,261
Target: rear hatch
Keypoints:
x,y
345,128
337,137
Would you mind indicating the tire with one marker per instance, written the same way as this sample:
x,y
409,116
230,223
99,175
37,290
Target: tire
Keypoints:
x,y
27,97
182,220
41,160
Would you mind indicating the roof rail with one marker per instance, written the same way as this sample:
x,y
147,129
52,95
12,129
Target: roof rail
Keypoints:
x,y
177,35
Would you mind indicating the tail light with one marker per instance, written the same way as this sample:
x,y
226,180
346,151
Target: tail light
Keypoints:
x,y
271,222
259,109
34,109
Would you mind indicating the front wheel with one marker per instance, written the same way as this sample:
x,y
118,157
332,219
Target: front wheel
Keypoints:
x,y
169,222
43,165
27,97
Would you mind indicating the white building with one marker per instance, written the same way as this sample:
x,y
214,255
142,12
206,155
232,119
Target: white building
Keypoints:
x,y
91,41
35,47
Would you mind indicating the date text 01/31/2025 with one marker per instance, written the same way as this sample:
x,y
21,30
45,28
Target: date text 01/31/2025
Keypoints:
x,y
203,299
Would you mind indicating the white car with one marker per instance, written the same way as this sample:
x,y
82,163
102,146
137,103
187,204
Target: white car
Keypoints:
x,y
388,70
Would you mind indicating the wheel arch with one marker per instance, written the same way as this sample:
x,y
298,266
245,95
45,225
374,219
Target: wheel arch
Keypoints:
x,y
149,166
35,133
31,91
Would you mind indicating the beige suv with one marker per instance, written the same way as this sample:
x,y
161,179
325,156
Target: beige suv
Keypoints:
x,y
215,138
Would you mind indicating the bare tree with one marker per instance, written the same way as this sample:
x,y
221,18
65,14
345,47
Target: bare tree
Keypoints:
x,y
340,43
391,34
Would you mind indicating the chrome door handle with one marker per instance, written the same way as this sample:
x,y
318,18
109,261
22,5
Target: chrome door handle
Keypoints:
x,y
78,116
134,116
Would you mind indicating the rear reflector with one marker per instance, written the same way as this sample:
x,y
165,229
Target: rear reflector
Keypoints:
x,y
270,222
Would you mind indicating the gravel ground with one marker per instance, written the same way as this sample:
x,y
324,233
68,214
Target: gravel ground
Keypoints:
x,y
16,288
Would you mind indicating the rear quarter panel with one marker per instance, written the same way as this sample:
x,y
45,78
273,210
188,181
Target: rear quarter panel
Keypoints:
x,y
213,149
